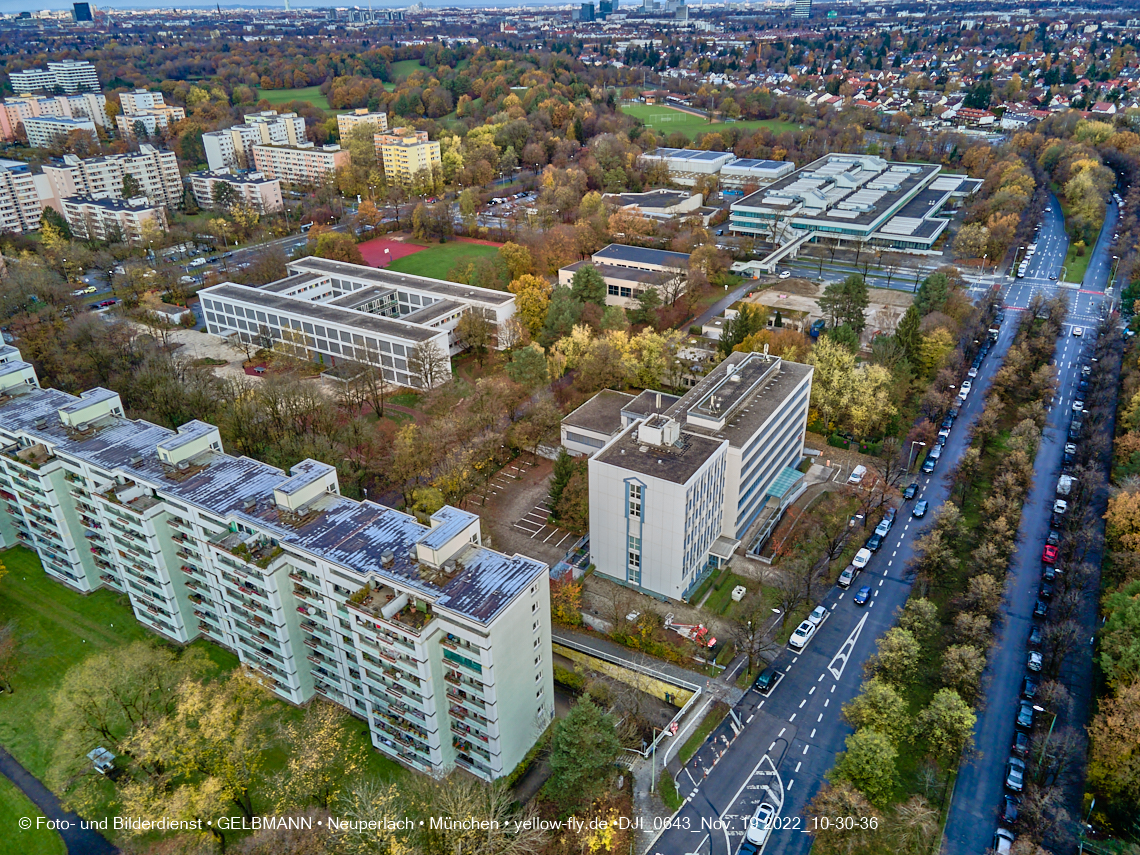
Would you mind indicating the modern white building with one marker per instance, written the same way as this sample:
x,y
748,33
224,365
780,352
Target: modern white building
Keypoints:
x,y
630,270
673,492
231,149
686,166
147,112
42,131
747,172
304,164
332,311
439,643
155,171
20,204
112,219
347,122
254,189
68,76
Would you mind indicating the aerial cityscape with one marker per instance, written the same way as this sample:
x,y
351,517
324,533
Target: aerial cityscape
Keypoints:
x,y
604,427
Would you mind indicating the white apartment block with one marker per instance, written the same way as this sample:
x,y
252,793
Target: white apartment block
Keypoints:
x,y
675,488
42,131
87,105
112,219
347,122
333,311
146,112
68,76
439,643
20,204
304,164
232,148
405,152
254,189
156,172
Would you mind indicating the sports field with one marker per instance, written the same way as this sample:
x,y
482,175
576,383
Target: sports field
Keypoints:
x,y
312,94
667,120
436,261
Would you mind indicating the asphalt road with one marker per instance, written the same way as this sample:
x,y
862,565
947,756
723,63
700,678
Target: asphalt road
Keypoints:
x,y
786,742
973,816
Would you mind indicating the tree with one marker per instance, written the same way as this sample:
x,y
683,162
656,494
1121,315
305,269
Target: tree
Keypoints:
x,y
932,294
1120,637
748,320
564,468
947,724
844,335
517,258
648,302
868,764
972,240
411,458
561,315
846,302
477,332
897,657
588,286
962,666
1123,518
582,752
532,300
914,828
528,367
224,195
573,508
429,364
909,335
833,383
839,798
879,706
326,754
1114,749
51,217
338,247
468,208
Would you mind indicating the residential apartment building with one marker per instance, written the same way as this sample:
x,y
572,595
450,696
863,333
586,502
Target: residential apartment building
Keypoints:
x,y
631,270
439,643
42,131
112,220
405,153
333,311
20,205
254,189
232,148
304,164
15,111
145,112
155,171
68,76
673,492
347,122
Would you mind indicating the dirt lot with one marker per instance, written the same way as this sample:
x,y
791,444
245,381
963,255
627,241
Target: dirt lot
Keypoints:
x,y
802,295
514,503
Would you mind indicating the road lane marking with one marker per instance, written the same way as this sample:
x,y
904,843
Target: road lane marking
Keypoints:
x,y
806,749
812,692
793,718
798,764
812,733
804,701
845,649
826,701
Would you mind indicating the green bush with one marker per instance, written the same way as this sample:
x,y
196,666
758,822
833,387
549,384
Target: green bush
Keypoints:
x,y
695,329
524,765
572,680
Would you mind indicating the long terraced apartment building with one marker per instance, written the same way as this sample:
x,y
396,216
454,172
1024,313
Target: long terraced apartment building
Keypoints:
x,y
440,643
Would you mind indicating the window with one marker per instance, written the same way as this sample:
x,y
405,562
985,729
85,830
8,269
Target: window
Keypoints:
x,y
635,560
533,608
634,543
535,627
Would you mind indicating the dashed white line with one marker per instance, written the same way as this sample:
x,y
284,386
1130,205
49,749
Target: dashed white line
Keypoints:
x,y
790,784
806,749
818,720
812,734
812,691
826,701
793,718
773,745
749,719
798,764
820,680
780,734
832,689
804,701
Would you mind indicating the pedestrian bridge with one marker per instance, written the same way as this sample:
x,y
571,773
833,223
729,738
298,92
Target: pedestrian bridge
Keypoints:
x,y
768,263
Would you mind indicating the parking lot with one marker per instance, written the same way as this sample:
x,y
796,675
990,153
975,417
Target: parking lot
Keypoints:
x,y
534,524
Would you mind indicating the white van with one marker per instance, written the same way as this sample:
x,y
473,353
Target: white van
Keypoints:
x,y
857,474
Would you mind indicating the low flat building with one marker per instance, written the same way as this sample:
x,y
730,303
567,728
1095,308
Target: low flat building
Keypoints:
x,y
42,131
662,205
347,122
599,419
254,189
305,165
631,270
673,492
686,166
749,172
332,312
112,220
441,645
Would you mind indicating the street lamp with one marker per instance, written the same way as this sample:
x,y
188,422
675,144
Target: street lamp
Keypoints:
x,y
910,457
1041,756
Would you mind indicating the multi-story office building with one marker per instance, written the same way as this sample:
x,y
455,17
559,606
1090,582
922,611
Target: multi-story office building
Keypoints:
x,y
155,171
405,153
303,164
42,131
145,112
854,199
254,189
112,219
68,76
347,122
81,12
20,204
631,270
332,311
86,105
676,488
802,10
439,643
232,148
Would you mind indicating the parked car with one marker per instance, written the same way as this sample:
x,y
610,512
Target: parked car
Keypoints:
x,y
862,595
1070,454
1035,635
1034,661
1025,714
759,827
1078,405
802,635
874,542
857,475
931,461
1029,688
883,528
1053,538
1049,554
861,558
1015,774
1040,608
911,490
1060,506
848,576
1048,573
964,389
889,515
1020,743
818,615
1046,591
1003,841
766,680
920,509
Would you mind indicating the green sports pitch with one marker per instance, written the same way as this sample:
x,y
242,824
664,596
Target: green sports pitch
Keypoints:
x,y
668,120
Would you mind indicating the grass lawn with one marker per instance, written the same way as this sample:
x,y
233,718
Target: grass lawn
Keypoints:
x,y
312,94
57,629
697,738
1076,265
411,400
437,260
667,120
405,67
35,841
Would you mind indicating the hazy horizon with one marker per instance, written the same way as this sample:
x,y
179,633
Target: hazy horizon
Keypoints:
x,y
9,7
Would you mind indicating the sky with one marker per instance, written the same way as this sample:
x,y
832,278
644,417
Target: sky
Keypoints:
x,y
13,6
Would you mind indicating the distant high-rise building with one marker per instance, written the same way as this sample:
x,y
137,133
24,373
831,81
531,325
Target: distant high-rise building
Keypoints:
x,y
587,13
803,9
81,12
69,76
605,9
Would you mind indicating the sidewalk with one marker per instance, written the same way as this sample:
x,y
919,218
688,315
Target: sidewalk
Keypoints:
x,y
79,841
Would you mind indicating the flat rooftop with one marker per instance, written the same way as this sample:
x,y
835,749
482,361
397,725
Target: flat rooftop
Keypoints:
x,y
602,413
400,281
620,253
651,199
676,463
610,271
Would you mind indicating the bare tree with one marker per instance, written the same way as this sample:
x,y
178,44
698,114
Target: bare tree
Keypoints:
x,y
672,284
1058,641
429,364
750,629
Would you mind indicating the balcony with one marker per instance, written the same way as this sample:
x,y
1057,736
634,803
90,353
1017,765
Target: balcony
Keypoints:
x,y
397,608
34,456
255,550
130,496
